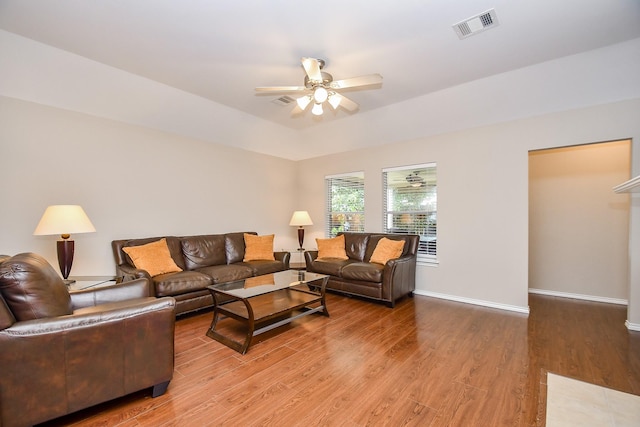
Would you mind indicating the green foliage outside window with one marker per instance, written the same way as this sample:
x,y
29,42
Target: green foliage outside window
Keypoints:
x,y
346,204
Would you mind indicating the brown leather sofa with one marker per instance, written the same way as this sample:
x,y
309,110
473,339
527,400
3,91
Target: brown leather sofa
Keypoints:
x,y
357,276
204,260
61,352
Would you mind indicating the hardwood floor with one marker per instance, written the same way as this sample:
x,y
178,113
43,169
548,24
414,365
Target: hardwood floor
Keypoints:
x,y
428,362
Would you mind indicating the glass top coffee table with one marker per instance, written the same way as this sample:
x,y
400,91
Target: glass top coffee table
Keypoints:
x,y
265,302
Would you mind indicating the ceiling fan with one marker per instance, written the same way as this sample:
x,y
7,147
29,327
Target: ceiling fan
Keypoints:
x,y
319,87
415,180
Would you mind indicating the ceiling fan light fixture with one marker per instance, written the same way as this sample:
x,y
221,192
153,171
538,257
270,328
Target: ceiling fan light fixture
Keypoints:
x,y
303,101
334,100
320,87
320,94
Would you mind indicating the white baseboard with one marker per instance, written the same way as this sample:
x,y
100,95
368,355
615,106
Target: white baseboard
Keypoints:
x,y
579,296
507,307
632,326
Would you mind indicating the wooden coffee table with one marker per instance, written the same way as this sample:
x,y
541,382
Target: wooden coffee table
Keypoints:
x,y
265,302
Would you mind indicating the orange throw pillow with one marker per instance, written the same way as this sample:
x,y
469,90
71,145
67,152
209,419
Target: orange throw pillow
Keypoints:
x,y
258,248
387,249
332,248
153,257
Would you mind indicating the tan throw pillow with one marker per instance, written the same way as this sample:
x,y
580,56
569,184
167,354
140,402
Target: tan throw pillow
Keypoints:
x,y
258,248
332,248
387,249
153,257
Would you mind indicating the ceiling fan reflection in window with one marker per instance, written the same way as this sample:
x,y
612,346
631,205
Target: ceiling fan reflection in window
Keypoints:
x,y
415,180
319,87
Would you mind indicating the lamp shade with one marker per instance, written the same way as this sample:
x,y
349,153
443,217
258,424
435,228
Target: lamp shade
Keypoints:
x,y
300,218
64,219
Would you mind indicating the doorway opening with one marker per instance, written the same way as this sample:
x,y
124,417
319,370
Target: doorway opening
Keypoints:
x,y
578,226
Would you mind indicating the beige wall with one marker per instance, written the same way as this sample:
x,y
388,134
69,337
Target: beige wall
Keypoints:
x,y
482,195
578,227
137,182
132,182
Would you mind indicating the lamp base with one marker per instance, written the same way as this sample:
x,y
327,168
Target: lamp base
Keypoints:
x,y
65,256
68,282
300,237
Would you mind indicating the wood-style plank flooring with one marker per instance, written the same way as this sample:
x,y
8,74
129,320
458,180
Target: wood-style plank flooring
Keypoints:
x,y
428,362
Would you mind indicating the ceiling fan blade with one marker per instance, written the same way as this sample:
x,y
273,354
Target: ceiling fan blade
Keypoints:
x,y
347,104
312,68
281,89
370,79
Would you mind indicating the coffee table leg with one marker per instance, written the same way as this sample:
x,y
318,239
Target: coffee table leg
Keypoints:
x,y
323,292
213,334
237,346
251,326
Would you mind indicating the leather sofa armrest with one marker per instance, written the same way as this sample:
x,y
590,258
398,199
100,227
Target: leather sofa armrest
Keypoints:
x,y
285,257
399,278
139,288
401,260
89,316
129,272
309,257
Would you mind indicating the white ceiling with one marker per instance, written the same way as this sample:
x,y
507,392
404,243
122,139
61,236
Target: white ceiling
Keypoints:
x,y
221,50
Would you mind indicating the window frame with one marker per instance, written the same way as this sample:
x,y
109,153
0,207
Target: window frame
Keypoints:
x,y
427,251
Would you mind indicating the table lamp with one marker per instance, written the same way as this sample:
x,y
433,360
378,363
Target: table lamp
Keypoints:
x,y
64,220
300,219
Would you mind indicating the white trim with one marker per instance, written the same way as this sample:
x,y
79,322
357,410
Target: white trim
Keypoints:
x,y
579,296
507,307
427,262
358,174
627,186
401,168
632,326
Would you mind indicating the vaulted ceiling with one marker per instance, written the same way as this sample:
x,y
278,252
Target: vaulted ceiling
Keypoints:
x,y
220,50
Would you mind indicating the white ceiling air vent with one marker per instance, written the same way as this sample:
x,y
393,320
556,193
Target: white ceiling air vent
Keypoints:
x,y
283,100
476,24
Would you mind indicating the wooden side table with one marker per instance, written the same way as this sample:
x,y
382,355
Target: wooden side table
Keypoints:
x,y
297,259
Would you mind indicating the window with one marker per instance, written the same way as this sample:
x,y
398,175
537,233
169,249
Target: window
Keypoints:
x,y
410,205
345,203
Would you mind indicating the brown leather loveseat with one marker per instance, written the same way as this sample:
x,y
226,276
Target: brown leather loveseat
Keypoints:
x,y
201,261
61,352
356,275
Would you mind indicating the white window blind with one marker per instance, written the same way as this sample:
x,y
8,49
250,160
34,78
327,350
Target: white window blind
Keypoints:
x,y
345,203
410,201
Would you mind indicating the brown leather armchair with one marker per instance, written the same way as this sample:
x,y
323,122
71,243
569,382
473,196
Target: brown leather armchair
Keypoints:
x,y
63,352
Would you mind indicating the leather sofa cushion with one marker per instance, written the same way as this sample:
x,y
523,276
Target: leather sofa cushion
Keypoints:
x,y
203,251
234,246
6,317
364,271
264,267
330,266
356,245
227,273
32,289
179,283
